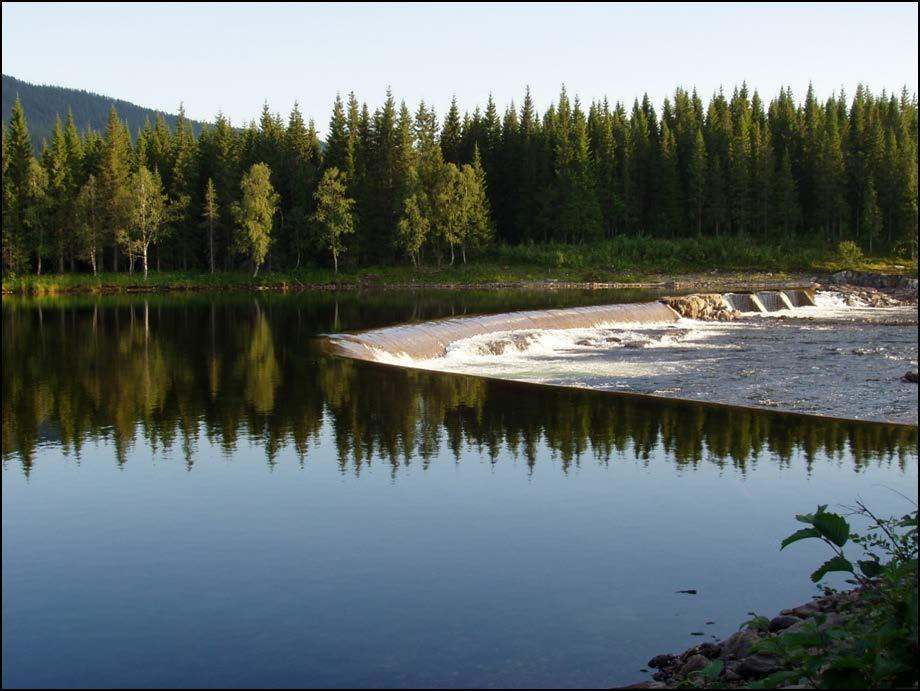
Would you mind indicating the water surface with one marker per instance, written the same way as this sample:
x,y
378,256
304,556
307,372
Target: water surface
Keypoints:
x,y
195,494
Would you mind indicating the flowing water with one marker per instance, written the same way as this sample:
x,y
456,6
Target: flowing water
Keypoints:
x,y
829,359
196,493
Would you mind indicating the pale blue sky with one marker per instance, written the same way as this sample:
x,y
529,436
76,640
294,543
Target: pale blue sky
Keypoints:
x,y
233,57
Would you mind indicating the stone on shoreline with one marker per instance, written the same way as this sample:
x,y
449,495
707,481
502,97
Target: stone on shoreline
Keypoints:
x,y
783,621
911,375
694,663
759,665
741,663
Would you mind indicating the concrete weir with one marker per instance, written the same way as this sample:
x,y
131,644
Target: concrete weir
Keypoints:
x,y
770,300
745,302
430,339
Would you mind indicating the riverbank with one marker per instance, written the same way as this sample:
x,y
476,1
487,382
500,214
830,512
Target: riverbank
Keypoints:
x,y
739,659
486,276
865,637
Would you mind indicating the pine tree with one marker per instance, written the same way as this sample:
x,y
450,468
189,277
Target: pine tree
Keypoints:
x,y
696,181
870,215
211,217
337,139
182,185
18,161
60,193
113,182
668,184
450,134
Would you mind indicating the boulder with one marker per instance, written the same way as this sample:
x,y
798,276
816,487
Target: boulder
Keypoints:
x,y
783,622
705,307
660,661
759,665
738,644
694,663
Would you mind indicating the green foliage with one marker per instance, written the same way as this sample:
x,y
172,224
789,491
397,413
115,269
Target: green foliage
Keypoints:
x,y
849,254
735,182
147,215
254,214
874,644
334,213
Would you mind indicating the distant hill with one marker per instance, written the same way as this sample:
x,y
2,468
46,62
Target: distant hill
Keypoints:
x,y
43,103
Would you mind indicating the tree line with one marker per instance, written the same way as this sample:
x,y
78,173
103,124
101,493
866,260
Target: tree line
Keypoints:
x,y
399,186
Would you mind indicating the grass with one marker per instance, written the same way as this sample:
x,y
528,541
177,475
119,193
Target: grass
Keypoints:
x,y
622,260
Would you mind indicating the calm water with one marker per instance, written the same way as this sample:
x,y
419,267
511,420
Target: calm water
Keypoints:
x,y
195,494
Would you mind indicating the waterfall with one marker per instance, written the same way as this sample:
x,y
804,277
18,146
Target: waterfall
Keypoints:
x,y
429,340
774,300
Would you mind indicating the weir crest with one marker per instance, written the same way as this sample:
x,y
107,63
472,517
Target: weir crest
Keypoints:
x,y
431,339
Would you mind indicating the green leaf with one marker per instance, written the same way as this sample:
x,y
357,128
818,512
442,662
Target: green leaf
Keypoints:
x,y
806,639
774,680
835,528
802,534
845,673
870,568
713,669
835,564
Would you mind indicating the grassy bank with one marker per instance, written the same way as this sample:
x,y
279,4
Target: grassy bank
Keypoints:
x,y
624,260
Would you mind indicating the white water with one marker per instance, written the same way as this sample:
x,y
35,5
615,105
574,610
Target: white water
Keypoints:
x,y
830,359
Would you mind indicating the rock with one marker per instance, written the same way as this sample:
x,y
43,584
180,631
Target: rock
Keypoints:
x,y
738,644
710,650
783,622
730,672
707,307
693,664
759,665
660,661
809,609
647,685
911,375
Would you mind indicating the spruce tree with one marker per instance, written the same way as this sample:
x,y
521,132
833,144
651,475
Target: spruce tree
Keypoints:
x,y
211,218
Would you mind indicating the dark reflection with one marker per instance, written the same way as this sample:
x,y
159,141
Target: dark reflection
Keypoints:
x,y
160,371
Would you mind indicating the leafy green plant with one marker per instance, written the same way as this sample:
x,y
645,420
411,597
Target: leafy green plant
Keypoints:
x,y
849,254
872,643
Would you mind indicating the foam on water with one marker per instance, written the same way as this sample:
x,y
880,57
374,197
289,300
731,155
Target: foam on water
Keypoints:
x,y
831,359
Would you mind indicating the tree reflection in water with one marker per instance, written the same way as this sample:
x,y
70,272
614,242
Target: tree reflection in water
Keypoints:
x,y
161,371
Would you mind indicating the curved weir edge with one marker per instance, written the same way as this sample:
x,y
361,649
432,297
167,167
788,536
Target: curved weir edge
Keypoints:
x,y
431,339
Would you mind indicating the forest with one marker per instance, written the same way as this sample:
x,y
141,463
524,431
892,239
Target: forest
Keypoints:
x,y
400,186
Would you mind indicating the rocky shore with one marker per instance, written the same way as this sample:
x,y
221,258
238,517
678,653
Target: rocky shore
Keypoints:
x,y
740,661
857,290
872,289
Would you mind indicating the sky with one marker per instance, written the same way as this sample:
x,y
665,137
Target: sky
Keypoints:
x,y
234,57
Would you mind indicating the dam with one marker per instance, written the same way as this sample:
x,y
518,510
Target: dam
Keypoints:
x,y
790,350
432,339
